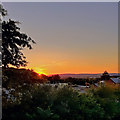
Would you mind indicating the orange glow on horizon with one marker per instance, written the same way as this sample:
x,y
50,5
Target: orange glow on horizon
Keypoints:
x,y
39,71
70,71
66,69
60,64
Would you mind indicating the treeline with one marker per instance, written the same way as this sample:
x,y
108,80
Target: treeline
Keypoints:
x,y
13,77
24,98
78,81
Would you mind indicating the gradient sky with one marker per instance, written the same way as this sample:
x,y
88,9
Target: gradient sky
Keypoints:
x,y
70,37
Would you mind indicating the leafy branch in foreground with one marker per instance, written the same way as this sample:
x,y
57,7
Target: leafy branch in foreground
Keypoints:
x,y
13,41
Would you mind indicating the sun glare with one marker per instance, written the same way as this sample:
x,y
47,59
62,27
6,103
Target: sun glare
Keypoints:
x,y
39,71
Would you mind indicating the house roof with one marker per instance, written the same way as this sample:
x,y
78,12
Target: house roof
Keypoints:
x,y
115,80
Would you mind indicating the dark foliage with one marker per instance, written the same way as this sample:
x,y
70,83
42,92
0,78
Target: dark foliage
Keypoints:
x,y
26,76
25,98
70,80
48,103
54,79
13,41
105,76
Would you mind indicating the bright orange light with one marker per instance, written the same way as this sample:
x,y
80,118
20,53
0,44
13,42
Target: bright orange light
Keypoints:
x,y
39,71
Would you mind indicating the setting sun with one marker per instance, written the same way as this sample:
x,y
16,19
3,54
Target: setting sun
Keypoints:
x,y
39,71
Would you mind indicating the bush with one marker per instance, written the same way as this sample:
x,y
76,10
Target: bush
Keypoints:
x,y
109,98
44,102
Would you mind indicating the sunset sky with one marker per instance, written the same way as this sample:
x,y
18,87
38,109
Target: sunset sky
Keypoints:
x,y
70,37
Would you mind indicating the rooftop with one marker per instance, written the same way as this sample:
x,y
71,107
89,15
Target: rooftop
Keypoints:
x,y
115,80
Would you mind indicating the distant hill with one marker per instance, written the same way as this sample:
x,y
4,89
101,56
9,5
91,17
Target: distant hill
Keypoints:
x,y
86,75
80,75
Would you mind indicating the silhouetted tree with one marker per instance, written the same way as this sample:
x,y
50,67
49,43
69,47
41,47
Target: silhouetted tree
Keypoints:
x,y
44,77
56,78
105,76
13,41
